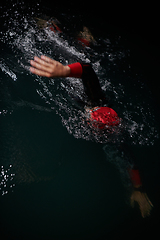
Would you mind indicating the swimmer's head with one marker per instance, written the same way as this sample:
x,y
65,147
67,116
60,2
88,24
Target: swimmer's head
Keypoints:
x,y
104,117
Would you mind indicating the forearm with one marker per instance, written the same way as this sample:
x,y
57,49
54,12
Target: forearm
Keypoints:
x,y
48,67
90,81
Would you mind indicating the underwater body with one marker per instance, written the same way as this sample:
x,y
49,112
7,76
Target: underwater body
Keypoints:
x,y
58,171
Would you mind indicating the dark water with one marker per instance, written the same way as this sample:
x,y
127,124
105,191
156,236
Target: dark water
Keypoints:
x,y
60,179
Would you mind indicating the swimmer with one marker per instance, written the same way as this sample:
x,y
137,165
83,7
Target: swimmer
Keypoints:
x,y
98,113
51,23
84,37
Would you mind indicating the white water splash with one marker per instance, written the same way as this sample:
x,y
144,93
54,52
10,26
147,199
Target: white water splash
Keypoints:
x,y
57,94
8,71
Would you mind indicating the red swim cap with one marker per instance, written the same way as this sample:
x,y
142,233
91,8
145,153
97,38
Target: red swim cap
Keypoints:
x,y
104,116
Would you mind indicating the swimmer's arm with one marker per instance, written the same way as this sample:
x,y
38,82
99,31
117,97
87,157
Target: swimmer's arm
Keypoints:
x,y
139,195
47,67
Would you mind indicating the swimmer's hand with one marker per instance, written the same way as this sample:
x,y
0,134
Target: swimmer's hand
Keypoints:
x,y
48,67
143,201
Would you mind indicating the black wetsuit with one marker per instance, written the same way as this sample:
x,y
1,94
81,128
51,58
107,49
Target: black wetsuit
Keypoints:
x,y
92,87
96,97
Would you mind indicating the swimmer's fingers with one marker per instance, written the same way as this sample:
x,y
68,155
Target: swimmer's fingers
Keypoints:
x,y
47,59
39,72
42,67
39,66
48,67
44,61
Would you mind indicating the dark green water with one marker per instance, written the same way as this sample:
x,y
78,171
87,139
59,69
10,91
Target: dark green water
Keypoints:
x,y
59,179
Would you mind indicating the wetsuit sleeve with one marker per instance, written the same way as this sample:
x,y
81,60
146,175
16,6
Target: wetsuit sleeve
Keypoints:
x,y
135,177
90,82
92,86
76,70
